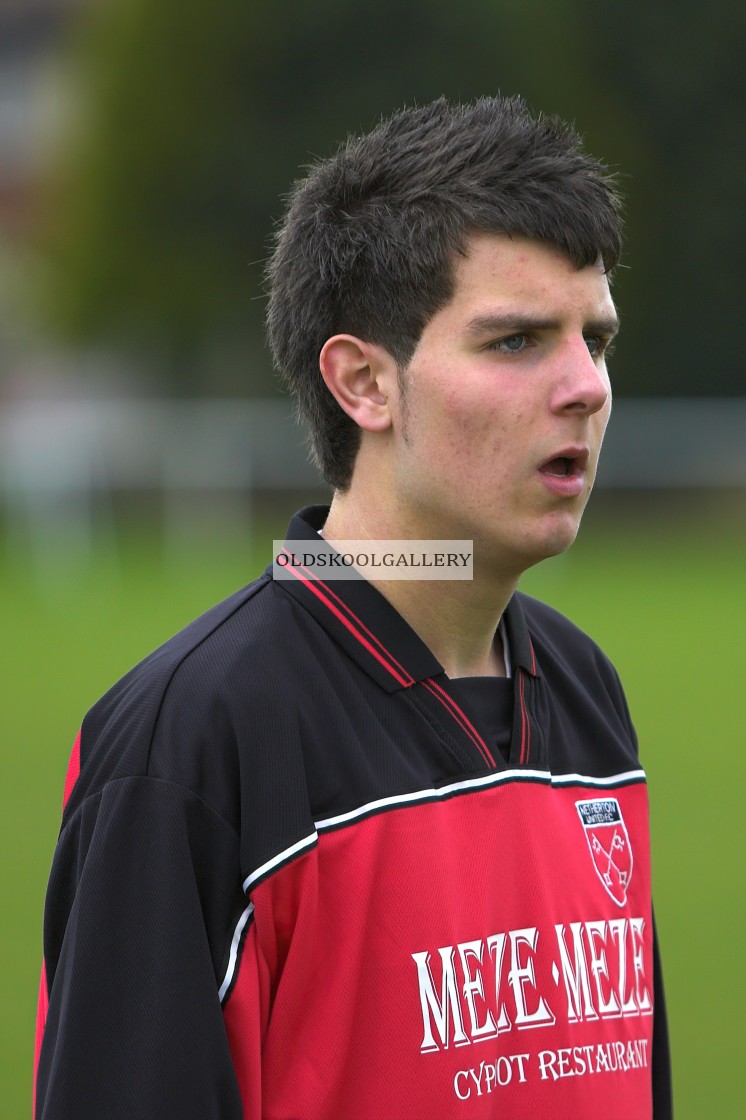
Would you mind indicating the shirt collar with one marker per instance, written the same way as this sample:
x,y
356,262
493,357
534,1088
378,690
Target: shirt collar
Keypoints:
x,y
369,628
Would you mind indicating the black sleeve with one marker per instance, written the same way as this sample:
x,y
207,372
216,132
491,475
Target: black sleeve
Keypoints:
x,y
143,893
662,1088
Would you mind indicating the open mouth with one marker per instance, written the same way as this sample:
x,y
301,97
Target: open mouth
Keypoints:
x,y
561,466
571,464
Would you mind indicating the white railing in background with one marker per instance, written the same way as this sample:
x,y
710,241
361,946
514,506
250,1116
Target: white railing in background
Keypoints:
x,y
63,462
666,443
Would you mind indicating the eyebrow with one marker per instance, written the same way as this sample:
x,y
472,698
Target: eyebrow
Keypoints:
x,y
518,322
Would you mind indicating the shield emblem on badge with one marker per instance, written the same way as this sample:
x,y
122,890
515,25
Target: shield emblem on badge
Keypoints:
x,y
608,843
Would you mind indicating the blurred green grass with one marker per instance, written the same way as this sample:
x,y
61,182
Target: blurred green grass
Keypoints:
x,y
666,604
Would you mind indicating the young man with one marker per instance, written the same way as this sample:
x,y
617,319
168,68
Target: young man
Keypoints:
x,y
379,848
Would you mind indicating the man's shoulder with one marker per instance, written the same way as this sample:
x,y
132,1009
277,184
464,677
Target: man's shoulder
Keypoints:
x,y
552,626
211,635
559,642
573,663
182,704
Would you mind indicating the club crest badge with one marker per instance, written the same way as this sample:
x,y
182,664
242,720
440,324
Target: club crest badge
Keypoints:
x,y
608,843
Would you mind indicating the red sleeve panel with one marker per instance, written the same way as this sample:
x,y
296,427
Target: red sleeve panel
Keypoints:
x,y
42,1007
402,970
73,771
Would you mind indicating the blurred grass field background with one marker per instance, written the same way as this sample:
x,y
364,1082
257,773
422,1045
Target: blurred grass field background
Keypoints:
x,y
664,598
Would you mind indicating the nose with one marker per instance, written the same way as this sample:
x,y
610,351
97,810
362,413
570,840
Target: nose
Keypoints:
x,y
582,383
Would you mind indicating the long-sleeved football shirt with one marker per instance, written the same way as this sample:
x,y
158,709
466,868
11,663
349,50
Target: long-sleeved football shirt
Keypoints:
x,y
295,881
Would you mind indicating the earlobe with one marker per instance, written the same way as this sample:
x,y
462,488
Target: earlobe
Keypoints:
x,y
357,375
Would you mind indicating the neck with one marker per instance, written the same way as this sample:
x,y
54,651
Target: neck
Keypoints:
x,y
456,619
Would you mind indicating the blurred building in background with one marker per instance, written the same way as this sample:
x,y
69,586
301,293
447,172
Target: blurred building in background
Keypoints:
x,y
36,104
31,99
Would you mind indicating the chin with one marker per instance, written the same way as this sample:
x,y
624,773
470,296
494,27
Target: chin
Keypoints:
x,y
554,542
536,540
563,537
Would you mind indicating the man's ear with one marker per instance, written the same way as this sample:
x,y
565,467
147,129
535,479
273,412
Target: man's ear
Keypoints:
x,y
360,375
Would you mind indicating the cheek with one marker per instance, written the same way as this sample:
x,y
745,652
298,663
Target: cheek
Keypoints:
x,y
458,424
482,456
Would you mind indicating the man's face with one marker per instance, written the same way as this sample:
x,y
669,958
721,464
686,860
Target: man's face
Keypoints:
x,y
505,403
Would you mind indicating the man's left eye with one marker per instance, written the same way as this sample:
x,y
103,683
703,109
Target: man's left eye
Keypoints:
x,y
513,344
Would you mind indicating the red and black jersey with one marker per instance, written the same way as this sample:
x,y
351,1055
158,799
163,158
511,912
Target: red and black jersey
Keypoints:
x,y
294,882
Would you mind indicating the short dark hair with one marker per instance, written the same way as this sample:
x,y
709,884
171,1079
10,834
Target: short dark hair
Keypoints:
x,y
371,235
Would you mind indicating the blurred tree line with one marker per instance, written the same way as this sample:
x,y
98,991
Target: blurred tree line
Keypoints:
x,y
197,117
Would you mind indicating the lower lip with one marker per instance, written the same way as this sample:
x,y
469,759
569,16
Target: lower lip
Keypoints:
x,y
564,485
